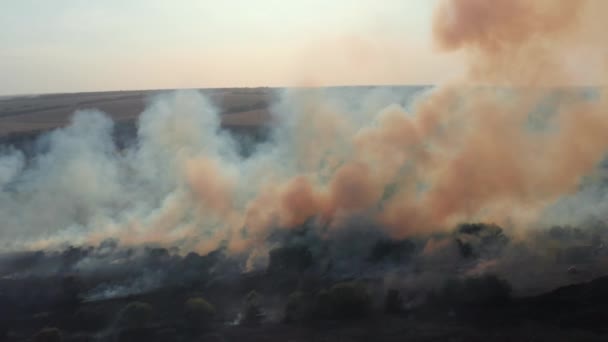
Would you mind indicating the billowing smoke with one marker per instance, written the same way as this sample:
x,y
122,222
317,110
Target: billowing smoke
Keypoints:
x,y
409,164
184,183
525,43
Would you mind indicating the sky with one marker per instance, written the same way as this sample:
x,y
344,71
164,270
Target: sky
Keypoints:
x,y
83,45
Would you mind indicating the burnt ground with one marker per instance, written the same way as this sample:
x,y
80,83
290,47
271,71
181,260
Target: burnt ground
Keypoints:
x,y
309,289
83,293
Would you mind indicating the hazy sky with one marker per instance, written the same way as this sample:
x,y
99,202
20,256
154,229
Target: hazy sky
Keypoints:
x,y
83,45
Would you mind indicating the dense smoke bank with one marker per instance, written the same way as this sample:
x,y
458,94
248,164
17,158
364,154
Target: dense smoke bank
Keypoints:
x,y
410,164
456,155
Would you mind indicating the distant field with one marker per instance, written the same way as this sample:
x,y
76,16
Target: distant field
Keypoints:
x,y
31,115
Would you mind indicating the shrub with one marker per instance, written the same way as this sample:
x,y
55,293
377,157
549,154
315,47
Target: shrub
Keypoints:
x,y
291,258
484,290
478,239
344,301
89,319
252,312
323,307
299,307
136,315
466,249
48,335
392,251
393,303
198,311
71,287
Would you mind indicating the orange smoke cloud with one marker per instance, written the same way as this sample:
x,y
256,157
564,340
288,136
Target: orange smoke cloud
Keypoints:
x,y
212,187
492,165
496,26
352,188
512,42
463,153
472,149
298,202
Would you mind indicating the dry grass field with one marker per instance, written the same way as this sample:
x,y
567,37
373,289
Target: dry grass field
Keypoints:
x,y
34,114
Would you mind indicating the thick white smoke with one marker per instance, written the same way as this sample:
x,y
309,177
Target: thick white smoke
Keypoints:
x,y
80,186
183,182
398,158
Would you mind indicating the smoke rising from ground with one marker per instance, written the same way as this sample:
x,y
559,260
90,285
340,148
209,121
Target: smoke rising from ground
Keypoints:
x,y
411,172
410,164
525,43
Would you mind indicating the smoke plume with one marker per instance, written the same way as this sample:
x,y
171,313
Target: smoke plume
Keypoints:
x,y
411,163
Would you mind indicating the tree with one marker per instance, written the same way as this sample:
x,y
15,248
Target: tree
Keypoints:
x,y
479,239
291,258
136,315
344,301
252,312
299,307
198,312
48,335
387,250
393,302
483,290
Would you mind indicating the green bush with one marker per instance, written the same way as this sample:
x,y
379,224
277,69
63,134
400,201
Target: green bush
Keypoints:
x,y
198,311
48,335
344,301
136,315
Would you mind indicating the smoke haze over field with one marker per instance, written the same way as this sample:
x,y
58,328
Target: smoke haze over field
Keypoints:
x,y
410,164
184,182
